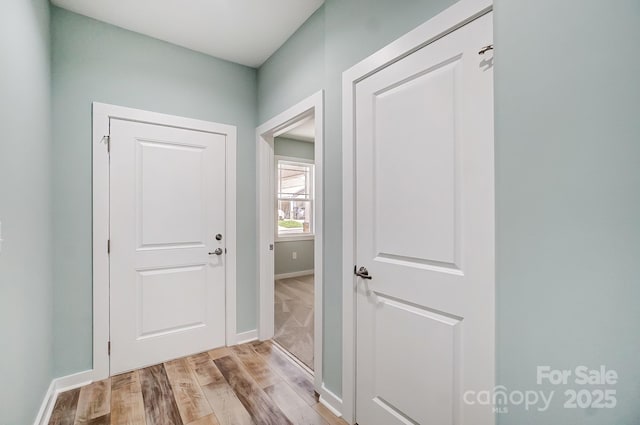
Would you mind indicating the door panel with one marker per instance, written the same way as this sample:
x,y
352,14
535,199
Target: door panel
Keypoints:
x,y
425,231
172,209
167,205
414,133
184,286
407,335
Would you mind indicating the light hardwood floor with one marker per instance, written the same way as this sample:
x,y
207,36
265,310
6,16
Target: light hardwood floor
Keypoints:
x,y
294,316
254,383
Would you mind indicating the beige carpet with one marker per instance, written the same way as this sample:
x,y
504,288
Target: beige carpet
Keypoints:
x,y
294,317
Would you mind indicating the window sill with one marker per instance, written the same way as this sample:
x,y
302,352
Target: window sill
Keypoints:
x,y
295,238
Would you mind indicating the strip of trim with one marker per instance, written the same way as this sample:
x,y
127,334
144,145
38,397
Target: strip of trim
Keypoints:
x,y
248,336
331,401
57,386
294,274
311,106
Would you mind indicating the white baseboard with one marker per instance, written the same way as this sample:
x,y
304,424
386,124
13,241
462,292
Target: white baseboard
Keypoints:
x,y
47,406
76,380
248,336
294,274
331,401
57,386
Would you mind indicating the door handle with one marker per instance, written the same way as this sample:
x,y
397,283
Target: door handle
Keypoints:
x,y
485,49
218,251
362,272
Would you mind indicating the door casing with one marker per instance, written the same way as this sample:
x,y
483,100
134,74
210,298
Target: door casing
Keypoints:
x,y
437,27
102,114
310,107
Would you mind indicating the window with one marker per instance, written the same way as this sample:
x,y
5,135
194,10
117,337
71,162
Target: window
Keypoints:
x,y
294,193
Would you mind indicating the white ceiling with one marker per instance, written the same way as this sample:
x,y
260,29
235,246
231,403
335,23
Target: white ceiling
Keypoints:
x,y
242,31
305,132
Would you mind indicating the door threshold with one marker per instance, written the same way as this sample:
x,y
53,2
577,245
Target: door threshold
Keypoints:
x,y
293,358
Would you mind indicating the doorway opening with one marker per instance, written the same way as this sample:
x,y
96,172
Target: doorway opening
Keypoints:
x,y
294,239
289,172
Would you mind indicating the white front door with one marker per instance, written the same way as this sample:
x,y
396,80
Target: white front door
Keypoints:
x,y
167,205
425,232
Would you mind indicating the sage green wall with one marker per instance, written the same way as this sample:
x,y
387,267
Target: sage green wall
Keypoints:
x,y
284,263
294,71
293,148
337,36
568,198
26,284
567,183
94,61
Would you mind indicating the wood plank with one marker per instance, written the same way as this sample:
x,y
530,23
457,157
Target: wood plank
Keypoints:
x,y
159,403
191,401
207,420
94,401
290,372
225,404
64,411
256,365
328,415
125,380
101,420
219,352
204,369
260,407
127,405
296,409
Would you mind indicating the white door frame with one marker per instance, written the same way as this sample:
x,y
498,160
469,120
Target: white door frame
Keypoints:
x,y
102,113
437,27
313,106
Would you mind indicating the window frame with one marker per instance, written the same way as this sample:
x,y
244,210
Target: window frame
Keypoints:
x,y
311,200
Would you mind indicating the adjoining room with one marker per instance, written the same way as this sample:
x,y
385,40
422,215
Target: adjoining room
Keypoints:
x,y
294,241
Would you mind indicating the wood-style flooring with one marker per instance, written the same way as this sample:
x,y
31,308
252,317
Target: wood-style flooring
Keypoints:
x,y
249,384
294,316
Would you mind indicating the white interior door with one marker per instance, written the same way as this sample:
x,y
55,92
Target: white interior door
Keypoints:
x,y
425,232
167,292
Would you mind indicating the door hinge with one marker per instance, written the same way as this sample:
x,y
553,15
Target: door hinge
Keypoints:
x,y
107,141
108,246
109,348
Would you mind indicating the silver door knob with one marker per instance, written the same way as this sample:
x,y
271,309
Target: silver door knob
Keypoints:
x,y
218,251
